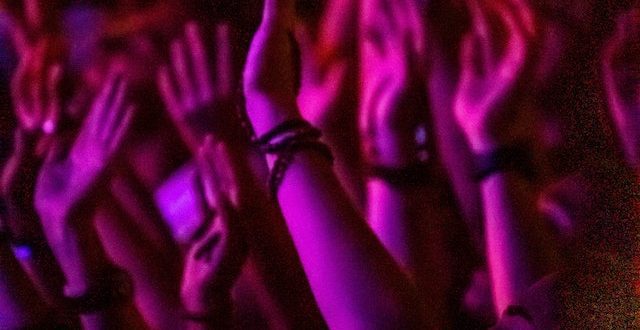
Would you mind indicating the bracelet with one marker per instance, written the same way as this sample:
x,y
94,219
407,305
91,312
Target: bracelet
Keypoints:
x,y
113,288
513,158
285,158
286,138
288,125
414,175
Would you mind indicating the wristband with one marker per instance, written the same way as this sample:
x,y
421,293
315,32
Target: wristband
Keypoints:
x,y
513,158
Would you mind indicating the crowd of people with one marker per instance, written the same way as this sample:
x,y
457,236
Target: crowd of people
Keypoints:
x,y
343,164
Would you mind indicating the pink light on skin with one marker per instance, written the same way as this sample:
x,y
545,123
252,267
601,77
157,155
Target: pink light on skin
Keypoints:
x,y
621,77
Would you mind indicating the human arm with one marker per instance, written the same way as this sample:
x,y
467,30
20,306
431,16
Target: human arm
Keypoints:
x,y
271,247
66,182
359,284
485,105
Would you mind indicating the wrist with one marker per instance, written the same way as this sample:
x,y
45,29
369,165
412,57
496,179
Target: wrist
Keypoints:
x,y
207,304
266,113
483,145
508,158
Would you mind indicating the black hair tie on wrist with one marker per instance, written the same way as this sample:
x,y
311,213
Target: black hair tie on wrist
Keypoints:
x,y
281,128
516,158
285,141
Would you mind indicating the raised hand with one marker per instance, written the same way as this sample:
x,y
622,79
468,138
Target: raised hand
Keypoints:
x,y
394,91
492,70
269,76
621,73
199,103
66,177
323,86
34,90
214,261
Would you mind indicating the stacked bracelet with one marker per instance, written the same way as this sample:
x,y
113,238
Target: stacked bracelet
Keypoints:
x,y
512,158
285,141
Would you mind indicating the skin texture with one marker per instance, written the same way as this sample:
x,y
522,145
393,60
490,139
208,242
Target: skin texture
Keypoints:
x,y
329,88
63,184
489,79
215,259
408,220
201,105
316,209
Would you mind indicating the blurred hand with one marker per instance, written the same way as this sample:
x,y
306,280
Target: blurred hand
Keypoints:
x,y
621,71
67,177
198,103
216,257
493,58
394,76
34,91
323,88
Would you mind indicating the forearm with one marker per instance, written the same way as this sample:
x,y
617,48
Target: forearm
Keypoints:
x,y
414,223
276,260
508,215
355,280
84,265
394,215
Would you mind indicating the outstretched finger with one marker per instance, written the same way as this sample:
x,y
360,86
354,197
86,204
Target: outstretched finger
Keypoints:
x,y
524,14
482,31
181,70
116,109
38,103
121,128
224,61
53,97
200,62
211,180
19,83
469,61
168,93
516,51
101,104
